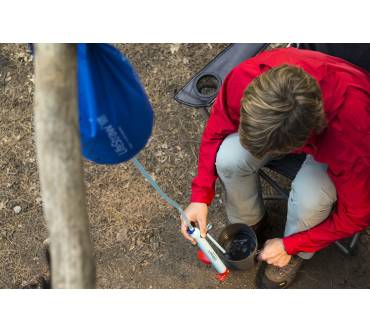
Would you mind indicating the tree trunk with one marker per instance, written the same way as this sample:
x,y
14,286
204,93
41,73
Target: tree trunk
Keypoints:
x,y
60,166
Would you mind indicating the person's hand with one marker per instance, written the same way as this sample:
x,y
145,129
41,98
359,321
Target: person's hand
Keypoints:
x,y
196,212
274,253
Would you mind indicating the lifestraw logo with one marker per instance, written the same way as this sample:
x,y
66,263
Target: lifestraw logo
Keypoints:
x,y
115,141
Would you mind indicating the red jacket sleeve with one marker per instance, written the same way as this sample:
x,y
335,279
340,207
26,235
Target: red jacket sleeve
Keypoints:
x,y
352,213
224,120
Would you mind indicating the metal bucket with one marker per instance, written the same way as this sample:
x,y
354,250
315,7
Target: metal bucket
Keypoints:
x,y
240,243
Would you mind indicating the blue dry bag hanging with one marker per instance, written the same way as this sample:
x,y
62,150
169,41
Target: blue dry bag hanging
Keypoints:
x,y
115,115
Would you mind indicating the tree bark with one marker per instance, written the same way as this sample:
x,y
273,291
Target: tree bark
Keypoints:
x,y
60,166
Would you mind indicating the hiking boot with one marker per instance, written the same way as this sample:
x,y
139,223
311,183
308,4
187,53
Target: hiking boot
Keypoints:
x,y
273,277
42,280
261,229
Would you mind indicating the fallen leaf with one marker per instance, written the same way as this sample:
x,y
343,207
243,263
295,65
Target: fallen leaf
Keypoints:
x,y
174,48
17,209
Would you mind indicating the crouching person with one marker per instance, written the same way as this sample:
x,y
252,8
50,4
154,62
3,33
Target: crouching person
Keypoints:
x,y
289,101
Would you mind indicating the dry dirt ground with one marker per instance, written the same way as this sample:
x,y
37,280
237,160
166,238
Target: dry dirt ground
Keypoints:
x,y
135,234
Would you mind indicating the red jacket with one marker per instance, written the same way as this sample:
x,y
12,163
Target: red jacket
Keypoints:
x,y
344,145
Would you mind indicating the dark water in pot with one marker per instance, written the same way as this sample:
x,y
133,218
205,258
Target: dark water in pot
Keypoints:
x,y
240,247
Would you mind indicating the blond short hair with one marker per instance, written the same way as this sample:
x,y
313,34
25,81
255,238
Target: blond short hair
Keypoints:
x,y
279,110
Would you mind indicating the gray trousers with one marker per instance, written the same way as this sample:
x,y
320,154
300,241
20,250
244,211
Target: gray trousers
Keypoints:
x,y
311,197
